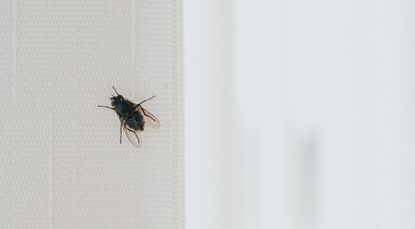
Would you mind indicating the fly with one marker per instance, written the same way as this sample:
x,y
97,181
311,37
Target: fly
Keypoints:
x,y
133,117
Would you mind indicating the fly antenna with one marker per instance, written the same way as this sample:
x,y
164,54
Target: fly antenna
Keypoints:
x,y
115,90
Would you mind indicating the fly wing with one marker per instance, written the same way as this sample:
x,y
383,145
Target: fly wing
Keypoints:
x,y
149,119
133,136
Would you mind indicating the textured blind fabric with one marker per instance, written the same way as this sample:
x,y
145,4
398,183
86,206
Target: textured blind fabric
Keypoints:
x,y
61,164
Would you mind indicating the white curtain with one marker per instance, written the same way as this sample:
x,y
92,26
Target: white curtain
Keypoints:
x,y
300,114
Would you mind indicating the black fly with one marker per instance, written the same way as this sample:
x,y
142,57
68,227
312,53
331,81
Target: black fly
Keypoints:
x,y
133,117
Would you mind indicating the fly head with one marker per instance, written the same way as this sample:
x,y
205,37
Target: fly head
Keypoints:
x,y
115,100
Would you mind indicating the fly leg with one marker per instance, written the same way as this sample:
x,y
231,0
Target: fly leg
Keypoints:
x,y
144,112
138,139
135,133
152,97
112,108
115,90
121,131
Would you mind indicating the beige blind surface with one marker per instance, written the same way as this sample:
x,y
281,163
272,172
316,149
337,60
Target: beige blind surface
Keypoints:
x,y
61,164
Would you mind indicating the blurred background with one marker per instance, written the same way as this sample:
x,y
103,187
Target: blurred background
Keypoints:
x,y
299,114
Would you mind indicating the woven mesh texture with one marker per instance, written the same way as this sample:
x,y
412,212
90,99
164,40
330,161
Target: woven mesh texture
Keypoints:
x,y
61,164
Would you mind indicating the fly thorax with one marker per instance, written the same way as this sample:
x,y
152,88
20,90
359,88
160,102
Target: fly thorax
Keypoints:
x,y
119,108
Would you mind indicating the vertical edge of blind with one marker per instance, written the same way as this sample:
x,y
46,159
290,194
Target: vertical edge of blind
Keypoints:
x,y
178,117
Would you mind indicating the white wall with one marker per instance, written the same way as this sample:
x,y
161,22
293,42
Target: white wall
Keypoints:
x,y
320,127
211,177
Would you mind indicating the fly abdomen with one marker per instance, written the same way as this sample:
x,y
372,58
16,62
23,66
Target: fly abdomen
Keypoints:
x,y
135,123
